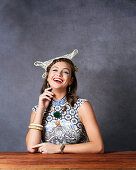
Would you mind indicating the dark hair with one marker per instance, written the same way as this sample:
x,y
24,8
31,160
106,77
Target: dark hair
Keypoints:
x,y
70,94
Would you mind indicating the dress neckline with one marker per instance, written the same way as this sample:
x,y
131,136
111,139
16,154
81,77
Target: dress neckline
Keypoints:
x,y
59,102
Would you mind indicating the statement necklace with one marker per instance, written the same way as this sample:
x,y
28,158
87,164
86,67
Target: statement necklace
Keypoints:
x,y
61,107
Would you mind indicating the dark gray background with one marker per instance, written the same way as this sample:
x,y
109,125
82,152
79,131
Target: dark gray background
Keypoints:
x,y
104,32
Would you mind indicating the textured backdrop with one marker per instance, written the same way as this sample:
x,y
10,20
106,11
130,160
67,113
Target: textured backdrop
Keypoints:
x,y
104,32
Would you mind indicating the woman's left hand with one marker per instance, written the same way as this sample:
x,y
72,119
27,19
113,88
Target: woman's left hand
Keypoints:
x,y
47,148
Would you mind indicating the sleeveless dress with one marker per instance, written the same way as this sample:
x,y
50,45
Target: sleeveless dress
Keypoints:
x,y
70,131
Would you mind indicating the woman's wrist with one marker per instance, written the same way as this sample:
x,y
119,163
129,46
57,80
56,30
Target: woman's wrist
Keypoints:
x,y
60,148
38,116
40,109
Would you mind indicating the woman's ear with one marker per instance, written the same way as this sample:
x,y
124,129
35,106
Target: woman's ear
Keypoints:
x,y
47,76
71,81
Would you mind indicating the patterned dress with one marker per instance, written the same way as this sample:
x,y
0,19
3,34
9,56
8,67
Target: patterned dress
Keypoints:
x,y
70,131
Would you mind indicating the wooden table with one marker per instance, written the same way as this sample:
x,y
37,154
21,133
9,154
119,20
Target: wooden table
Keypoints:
x,y
114,160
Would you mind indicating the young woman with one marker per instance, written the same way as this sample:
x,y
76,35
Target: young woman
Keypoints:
x,y
64,122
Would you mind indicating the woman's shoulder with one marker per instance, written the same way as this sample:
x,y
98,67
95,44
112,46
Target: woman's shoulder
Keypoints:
x,y
79,102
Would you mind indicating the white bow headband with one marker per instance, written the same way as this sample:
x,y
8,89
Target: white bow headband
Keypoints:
x,y
45,64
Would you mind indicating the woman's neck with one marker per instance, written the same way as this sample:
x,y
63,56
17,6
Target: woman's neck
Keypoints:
x,y
58,94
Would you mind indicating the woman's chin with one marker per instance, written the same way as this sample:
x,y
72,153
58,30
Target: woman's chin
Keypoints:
x,y
57,87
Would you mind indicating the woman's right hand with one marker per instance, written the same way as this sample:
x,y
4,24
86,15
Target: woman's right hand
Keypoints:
x,y
45,98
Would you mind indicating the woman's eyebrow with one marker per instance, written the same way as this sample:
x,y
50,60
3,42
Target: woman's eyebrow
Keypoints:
x,y
54,66
66,68
63,68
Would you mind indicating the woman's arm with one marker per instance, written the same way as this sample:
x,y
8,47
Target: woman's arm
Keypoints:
x,y
34,136
87,117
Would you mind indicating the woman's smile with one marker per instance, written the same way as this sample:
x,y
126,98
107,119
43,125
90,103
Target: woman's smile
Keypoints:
x,y
58,80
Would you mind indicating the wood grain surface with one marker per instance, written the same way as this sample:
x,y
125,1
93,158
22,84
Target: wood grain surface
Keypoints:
x,y
114,160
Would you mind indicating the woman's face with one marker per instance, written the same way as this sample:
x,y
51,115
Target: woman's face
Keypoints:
x,y
59,75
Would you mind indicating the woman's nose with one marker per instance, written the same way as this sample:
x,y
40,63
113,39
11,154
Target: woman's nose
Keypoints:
x,y
59,73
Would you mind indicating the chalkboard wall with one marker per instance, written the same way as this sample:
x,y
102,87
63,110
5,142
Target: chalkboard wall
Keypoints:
x,y
104,32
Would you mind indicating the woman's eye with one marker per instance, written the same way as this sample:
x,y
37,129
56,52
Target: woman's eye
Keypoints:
x,y
54,70
66,72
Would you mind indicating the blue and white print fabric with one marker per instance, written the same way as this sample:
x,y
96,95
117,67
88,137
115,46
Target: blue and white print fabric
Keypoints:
x,y
70,131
